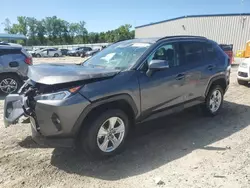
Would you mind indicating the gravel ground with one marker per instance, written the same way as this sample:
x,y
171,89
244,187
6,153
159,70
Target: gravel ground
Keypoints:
x,y
184,150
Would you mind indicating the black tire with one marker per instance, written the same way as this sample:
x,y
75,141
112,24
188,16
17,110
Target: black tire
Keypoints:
x,y
242,82
88,136
207,107
38,55
18,83
56,55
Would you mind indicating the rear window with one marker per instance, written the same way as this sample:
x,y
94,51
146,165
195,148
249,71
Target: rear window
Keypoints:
x,y
10,51
210,51
191,52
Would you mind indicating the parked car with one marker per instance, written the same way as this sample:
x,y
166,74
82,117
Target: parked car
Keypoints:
x,y
129,82
49,52
80,51
90,53
228,49
64,51
34,51
14,63
243,75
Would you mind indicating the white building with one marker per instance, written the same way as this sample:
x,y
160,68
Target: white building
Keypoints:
x,y
222,28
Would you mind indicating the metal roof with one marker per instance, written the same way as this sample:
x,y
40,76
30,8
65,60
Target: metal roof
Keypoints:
x,y
193,16
12,36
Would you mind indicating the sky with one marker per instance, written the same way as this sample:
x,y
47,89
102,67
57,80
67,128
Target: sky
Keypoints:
x,y
103,15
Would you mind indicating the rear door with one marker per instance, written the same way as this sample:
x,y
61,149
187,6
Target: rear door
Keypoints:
x,y
198,64
52,52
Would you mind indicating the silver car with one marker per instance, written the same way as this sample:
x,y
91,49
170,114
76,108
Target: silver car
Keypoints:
x,y
14,63
49,52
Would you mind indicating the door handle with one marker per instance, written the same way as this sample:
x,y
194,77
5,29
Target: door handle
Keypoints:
x,y
210,67
180,76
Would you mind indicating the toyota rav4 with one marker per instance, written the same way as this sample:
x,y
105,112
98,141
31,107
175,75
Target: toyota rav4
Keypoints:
x,y
129,82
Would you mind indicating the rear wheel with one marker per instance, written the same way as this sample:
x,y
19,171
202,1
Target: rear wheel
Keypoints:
x,y
106,134
56,55
242,82
214,100
9,83
38,55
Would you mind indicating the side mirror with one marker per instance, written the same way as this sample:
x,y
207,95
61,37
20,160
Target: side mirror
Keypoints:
x,y
156,65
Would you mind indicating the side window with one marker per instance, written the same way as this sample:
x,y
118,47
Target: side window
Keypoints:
x,y
166,52
210,51
52,50
191,52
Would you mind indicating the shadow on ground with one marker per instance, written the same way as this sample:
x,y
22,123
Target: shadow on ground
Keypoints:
x,y
159,142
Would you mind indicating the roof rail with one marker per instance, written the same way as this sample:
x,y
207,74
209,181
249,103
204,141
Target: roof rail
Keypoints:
x,y
181,36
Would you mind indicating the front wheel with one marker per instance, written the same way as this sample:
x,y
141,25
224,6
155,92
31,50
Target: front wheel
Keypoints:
x,y
56,55
106,134
214,100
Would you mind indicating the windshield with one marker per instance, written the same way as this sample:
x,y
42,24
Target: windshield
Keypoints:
x,y
121,55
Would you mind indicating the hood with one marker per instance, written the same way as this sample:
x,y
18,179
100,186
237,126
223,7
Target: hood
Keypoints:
x,y
60,73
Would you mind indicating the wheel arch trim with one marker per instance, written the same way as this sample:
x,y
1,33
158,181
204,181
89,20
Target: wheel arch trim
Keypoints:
x,y
212,80
107,100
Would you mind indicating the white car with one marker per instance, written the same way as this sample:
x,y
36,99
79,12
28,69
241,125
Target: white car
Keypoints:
x,y
49,52
243,74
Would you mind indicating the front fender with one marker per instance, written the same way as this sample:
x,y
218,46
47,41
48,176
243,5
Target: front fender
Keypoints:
x,y
103,101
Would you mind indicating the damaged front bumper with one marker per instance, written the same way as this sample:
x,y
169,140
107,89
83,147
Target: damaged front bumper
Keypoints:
x,y
52,122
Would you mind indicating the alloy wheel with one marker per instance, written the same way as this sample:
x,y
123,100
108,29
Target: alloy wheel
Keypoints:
x,y
8,85
215,100
111,134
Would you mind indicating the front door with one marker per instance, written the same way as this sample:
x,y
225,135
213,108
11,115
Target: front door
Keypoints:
x,y
163,88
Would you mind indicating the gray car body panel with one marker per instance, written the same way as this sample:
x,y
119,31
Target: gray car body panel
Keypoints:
x,y
125,83
20,67
57,73
68,111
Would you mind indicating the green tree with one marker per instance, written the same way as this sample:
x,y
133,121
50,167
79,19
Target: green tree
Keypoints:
x,y
22,25
73,30
14,29
32,31
7,25
83,31
93,37
41,32
53,30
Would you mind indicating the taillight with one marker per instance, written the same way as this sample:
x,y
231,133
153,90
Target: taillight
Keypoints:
x,y
28,60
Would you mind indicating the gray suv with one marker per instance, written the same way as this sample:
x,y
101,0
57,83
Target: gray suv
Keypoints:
x,y
14,63
97,103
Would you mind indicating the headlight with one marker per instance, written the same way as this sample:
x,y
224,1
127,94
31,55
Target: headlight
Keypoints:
x,y
53,96
243,65
58,95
